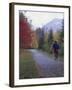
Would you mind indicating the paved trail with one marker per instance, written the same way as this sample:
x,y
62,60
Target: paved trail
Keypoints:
x,y
47,67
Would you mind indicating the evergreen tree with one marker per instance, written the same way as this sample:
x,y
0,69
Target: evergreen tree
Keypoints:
x,y
50,40
50,37
62,32
61,41
40,36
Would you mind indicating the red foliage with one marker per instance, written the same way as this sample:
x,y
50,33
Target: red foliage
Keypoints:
x,y
24,33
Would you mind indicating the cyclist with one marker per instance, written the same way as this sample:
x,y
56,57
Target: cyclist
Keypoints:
x,y
55,48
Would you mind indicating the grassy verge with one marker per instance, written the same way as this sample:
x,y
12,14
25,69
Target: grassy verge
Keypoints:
x,y
27,67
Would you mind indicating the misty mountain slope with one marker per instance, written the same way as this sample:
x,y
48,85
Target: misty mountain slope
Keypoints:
x,y
55,25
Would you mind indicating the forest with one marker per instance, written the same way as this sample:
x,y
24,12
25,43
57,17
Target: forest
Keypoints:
x,y
39,38
46,39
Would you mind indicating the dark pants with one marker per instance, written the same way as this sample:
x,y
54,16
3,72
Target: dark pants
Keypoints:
x,y
56,53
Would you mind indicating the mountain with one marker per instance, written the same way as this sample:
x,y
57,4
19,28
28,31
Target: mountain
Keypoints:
x,y
55,25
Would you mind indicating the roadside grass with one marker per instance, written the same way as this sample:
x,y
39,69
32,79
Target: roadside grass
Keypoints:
x,y
27,68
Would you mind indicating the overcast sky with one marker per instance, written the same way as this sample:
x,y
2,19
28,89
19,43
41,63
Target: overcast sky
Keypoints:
x,y
41,18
